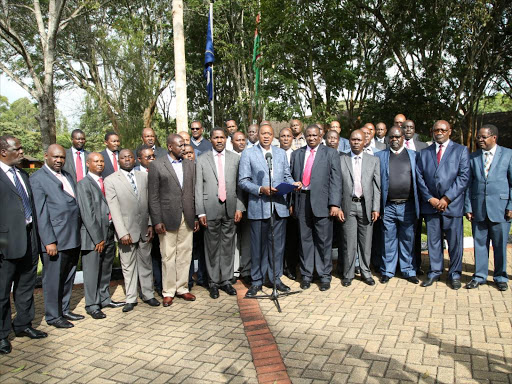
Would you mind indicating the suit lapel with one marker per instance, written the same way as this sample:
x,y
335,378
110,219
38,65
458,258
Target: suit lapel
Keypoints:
x,y
95,185
211,160
494,164
319,156
261,157
302,157
447,153
170,169
5,179
123,180
348,162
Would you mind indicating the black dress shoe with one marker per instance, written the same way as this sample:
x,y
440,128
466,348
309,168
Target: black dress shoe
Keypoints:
x,y
97,314
455,283
72,316
384,279
324,286
246,280
229,289
62,323
502,286
289,274
369,281
420,272
357,271
32,333
413,279
473,284
214,292
115,304
429,281
233,280
152,302
253,290
5,346
305,284
281,287
129,306
346,282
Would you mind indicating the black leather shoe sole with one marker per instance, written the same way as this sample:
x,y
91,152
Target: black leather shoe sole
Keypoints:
x,y
72,316
384,279
456,284
5,347
253,291
97,315
369,282
229,290
282,288
502,286
413,279
473,284
324,286
346,283
62,323
214,293
115,304
152,302
305,285
129,307
429,281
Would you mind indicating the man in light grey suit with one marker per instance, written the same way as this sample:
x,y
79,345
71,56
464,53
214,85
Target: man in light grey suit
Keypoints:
x,y
127,197
316,205
488,206
219,206
360,207
98,247
254,179
76,156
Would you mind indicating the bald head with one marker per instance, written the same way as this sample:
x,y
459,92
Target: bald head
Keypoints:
x,y
55,157
185,136
399,120
148,137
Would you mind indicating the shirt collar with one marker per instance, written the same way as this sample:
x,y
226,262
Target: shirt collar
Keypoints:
x,y
126,172
445,145
51,170
110,152
94,177
492,151
76,150
308,148
174,161
197,142
223,153
397,152
6,167
352,155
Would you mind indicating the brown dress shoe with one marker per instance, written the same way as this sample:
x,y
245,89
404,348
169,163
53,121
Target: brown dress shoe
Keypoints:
x,y
187,296
167,301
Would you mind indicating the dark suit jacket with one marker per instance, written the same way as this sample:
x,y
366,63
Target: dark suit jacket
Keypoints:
x,y
58,214
490,197
450,178
384,177
419,145
167,200
370,182
13,234
109,168
94,211
325,183
69,165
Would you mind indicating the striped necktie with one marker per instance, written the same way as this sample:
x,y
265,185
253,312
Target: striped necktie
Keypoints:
x,y
21,191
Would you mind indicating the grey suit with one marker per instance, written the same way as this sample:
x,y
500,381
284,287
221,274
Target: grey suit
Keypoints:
x,y
380,146
312,209
58,220
358,227
130,214
96,227
220,234
70,164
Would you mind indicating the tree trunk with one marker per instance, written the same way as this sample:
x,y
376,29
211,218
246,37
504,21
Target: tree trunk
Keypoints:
x,y
46,120
179,66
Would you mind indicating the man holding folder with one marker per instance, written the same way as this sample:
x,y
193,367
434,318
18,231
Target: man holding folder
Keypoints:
x,y
316,205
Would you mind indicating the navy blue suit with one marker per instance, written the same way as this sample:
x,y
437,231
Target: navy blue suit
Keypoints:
x,y
448,178
487,199
398,221
344,145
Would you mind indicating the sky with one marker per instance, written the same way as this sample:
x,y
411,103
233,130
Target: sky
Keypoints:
x,y
68,102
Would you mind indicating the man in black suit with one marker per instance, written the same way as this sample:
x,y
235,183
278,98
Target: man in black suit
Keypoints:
x,y
111,154
149,139
98,247
19,246
316,204
76,156
58,221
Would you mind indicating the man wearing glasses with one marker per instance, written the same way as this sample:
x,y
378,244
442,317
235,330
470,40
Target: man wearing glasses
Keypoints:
x,y
198,142
489,206
443,175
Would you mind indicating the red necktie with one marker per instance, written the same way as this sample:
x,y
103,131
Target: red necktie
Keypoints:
x,y
79,167
102,187
115,163
439,153
306,177
222,181
407,143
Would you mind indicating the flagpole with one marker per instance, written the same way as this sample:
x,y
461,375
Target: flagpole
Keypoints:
x,y
213,84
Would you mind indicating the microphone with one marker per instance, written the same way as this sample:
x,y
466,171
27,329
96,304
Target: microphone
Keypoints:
x,y
268,157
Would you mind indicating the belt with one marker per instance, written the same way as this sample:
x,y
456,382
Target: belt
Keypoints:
x,y
357,199
305,191
397,202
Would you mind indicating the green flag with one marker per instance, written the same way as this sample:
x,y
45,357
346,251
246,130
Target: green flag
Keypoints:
x,y
256,55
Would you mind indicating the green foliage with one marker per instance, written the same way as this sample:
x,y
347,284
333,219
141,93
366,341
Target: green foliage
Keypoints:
x,y
497,103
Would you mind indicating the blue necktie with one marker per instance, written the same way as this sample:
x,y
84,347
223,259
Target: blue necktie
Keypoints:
x,y
24,197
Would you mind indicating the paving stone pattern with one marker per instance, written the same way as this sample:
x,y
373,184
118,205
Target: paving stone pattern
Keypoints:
x,y
392,333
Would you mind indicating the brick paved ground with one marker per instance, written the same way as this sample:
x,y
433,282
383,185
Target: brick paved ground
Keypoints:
x,y
390,333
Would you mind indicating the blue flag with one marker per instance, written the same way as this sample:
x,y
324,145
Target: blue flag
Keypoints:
x,y
209,58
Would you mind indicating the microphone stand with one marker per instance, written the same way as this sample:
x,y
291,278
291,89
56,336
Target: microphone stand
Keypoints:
x,y
274,296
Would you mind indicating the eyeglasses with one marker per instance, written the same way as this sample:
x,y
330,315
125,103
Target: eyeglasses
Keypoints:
x,y
195,129
483,137
149,157
394,137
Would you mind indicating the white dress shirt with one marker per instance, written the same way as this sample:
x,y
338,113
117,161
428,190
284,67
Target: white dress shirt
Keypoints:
x,y
178,168
492,152
445,145
111,157
96,178
411,144
222,160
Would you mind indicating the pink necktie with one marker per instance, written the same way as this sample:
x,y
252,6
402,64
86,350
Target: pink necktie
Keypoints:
x,y
439,153
79,167
358,189
306,177
115,161
65,184
407,143
222,182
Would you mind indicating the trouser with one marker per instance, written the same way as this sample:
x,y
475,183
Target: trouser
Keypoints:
x,y
137,269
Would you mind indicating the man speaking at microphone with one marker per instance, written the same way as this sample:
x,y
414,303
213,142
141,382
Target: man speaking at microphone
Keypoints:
x,y
254,179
